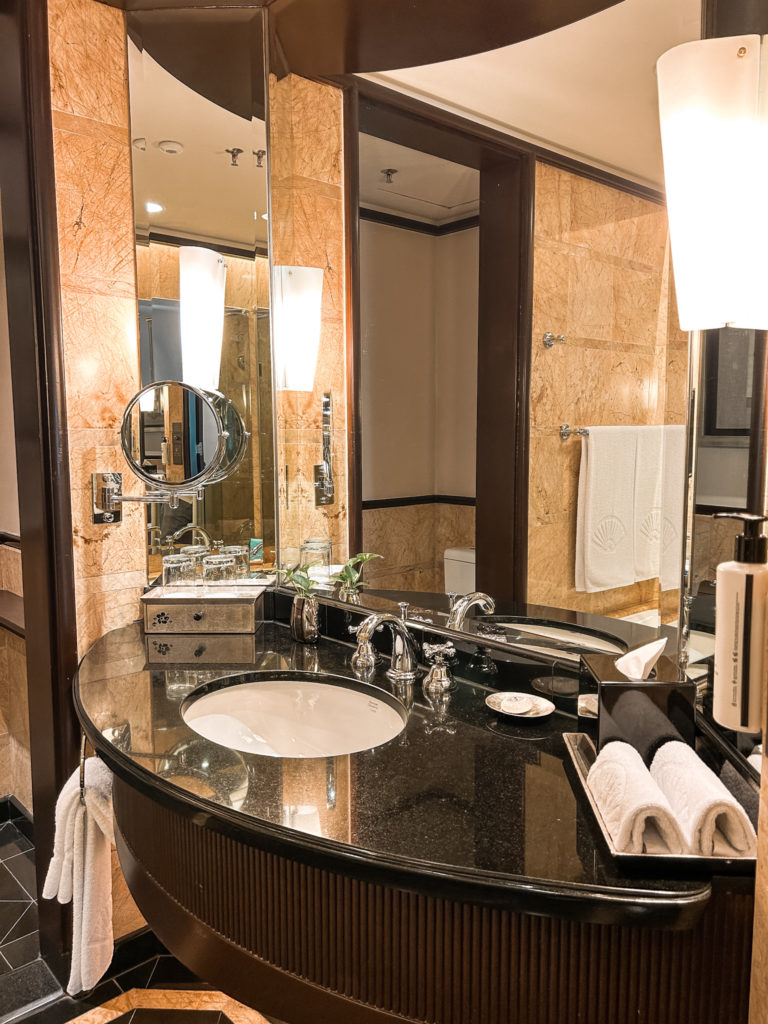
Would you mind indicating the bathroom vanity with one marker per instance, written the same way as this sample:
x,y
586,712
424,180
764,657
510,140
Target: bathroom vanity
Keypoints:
x,y
449,874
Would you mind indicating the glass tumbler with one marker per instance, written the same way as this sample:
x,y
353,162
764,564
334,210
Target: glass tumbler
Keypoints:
x,y
178,570
316,553
197,553
238,552
218,569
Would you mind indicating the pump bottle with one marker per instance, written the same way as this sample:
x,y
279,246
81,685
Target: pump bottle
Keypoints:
x,y
741,607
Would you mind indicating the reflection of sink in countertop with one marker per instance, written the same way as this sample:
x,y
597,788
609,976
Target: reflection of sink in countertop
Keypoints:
x,y
294,714
568,641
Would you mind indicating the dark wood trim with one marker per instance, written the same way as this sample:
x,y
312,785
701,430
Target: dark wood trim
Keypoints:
x,y
419,499
503,375
733,18
493,137
395,220
226,250
709,510
27,191
10,540
352,319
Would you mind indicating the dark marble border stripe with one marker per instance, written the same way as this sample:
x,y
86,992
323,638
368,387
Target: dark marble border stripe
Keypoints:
x,y
420,499
397,220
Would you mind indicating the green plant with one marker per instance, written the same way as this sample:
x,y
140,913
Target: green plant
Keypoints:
x,y
299,579
349,577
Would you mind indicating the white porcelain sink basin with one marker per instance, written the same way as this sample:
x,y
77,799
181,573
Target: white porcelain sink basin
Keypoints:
x,y
299,714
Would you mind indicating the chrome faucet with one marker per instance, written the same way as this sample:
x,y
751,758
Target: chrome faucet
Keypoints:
x,y
405,662
203,533
461,606
154,541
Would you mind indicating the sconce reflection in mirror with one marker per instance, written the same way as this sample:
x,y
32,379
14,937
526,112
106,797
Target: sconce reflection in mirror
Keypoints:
x,y
176,438
296,322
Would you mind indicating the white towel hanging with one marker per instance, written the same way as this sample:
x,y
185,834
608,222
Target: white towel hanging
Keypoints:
x,y
81,870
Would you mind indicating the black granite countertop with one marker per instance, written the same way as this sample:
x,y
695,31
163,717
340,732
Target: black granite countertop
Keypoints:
x,y
467,804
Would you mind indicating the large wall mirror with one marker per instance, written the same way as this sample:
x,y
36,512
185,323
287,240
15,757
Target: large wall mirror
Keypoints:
x,y
199,149
603,351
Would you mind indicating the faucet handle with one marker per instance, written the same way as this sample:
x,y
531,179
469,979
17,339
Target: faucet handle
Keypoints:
x,y
403,606
452,598
439,653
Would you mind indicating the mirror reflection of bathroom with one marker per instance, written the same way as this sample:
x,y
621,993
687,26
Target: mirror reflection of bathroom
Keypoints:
x,y
604,536
723,444
200,202
418,314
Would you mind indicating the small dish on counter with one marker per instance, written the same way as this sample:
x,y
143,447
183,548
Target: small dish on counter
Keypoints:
x,y
519,705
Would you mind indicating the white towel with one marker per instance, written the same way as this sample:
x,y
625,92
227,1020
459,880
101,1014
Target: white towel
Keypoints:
x,y
604,525
635,811
648,511
674,483
712,820
81,871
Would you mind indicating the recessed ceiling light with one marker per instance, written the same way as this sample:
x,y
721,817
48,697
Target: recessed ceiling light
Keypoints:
x,y
265,216
170,147
153,207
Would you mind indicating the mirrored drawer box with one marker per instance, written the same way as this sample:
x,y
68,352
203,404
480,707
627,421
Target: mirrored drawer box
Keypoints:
x,y
205,649
185,610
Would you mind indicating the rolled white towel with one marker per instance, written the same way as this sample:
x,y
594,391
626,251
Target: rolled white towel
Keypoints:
x,y
81,871
635,811
712,820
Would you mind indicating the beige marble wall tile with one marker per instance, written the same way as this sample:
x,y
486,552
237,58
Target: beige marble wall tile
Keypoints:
x,y
104,603
19,770
100,357
308,230
10,569
126,916
95,215
553,202
602,277
88,62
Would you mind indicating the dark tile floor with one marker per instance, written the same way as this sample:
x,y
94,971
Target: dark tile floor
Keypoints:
x,y
18,904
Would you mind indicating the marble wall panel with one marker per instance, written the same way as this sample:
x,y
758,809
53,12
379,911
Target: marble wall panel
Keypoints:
x,y
87,61
15,763
602,277
10,569
308,230
412,540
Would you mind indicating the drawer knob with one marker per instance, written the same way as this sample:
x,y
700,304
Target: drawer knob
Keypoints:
x,y
197,616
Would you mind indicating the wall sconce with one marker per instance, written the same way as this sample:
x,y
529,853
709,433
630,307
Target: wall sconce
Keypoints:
x,y
202,277
714,131
296,308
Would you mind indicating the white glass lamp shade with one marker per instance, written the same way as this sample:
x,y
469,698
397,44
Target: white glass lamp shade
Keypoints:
x,y
202,277
712,106
296,308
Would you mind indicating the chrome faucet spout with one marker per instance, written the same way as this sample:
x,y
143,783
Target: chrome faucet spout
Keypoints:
x,y
405,661
461,607
195,529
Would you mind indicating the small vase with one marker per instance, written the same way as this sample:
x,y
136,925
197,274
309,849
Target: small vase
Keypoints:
x,y
305,614
349,595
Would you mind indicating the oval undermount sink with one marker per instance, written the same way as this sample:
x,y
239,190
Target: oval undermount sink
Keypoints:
x,y
294,714
567,640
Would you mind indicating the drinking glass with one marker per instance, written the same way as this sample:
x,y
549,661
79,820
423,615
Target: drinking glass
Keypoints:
x,y
218,569
178,570
316,553
238,552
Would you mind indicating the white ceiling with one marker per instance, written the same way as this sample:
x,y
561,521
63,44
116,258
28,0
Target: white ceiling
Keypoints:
x,y
425,187
203,195
587,90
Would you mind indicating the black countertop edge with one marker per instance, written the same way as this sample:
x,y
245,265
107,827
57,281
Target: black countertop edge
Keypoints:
x,y
569,901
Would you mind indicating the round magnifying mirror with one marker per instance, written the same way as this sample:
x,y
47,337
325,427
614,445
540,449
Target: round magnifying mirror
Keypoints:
x,y
237,437
173,436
